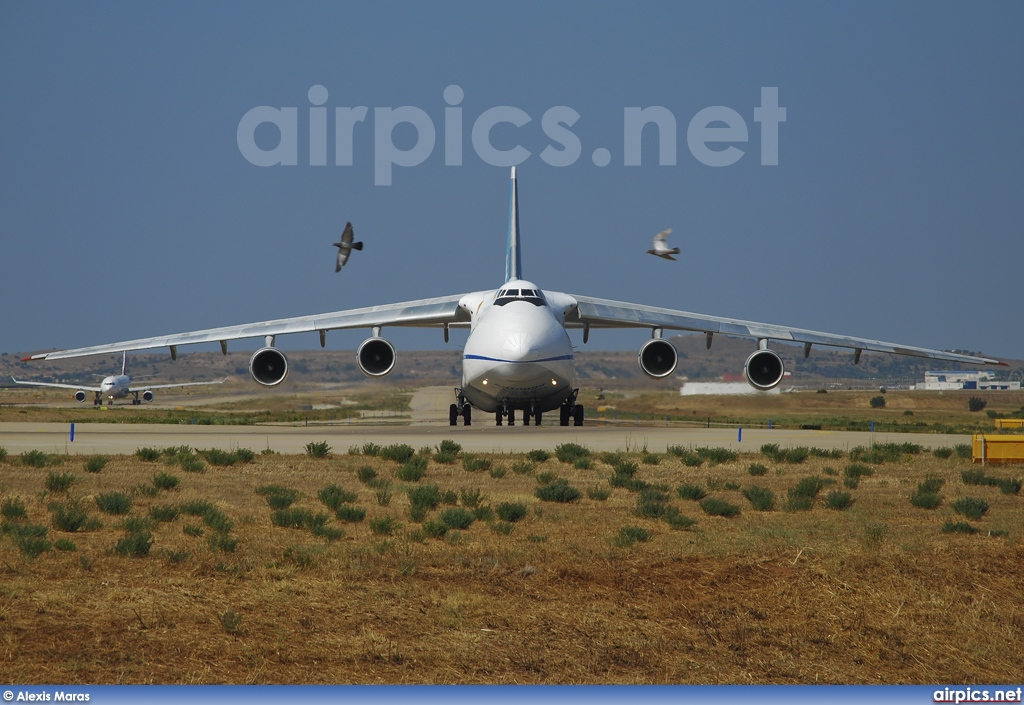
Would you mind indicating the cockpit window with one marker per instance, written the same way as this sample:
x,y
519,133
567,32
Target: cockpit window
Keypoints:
x,y
506,296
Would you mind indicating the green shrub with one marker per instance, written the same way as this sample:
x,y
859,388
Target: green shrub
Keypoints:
x,y
756,469
501,527
792,456
34,458
571,452
218,521
629,535
959,527
222,542
384,526
197,507
798,503
970,507
839,500
334,496
511,511
963,451
3,454
435,529
191,463
650,458
147,454
715,456
220,458
192,530
884,452
691,492
445,458
523,467
114,503
1009,485
975,477
32,546
165,481
427,496
318,449
976,404
761,498
331,533
246,455
475,464
498,473
413,470
688,457
599,494
383,497
17,528
13,509
583,463
69,516
371,449
538,456
626,468
651,503
808,487
833,453
134,545
926,500
65,544
942,453
469,498
59,481
547,477
447,452
558,491
296,518
457,518
366,475
95,463
163,512
931,484
713,506
399,452
350,513
877,402
676,519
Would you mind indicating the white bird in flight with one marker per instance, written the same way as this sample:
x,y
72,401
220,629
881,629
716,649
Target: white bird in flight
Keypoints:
x,y
661,249
345,247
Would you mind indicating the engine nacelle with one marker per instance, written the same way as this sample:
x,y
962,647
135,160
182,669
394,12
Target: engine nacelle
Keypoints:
x,y
268,366
764,369
375,357
148,395
657,358
80,395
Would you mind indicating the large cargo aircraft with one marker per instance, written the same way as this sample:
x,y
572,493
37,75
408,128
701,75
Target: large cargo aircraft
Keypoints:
x,y
518,356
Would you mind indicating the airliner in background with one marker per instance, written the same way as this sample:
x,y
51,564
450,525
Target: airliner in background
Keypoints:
x,y
116,387
518,356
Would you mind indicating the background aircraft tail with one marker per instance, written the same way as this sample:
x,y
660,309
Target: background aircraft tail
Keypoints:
x,y
124,363
513,263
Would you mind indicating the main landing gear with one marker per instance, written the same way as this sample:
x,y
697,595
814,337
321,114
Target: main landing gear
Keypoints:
x,y
570,410
135,401
460,408
503,411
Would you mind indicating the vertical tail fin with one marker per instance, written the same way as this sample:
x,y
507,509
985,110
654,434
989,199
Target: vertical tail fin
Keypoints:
x,y
124,362
513,263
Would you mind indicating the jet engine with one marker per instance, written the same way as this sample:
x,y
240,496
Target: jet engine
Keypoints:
x,y
658,358
763,369
268,366
148,395
375,357
79,395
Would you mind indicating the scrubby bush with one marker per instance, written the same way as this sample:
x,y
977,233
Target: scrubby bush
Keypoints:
x,y
756,469
134,545
877,402
558,491
970,507
773,452
629,535
714,506
399,452
350,513
943,452
114,503
70,516
976,404
691,492
384,526
413,470
538,456
165,481
318,449
95,463
457,517
599,494
839,500
676,519
191,463
761,498
13,509
334,496
59,481
511,511
475,464
571,452
163,512
963,451
716,456
959,527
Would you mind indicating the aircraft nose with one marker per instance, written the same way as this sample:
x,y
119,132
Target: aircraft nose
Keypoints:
x,y
518,346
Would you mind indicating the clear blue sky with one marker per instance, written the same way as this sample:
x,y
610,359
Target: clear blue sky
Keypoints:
x,y
895,212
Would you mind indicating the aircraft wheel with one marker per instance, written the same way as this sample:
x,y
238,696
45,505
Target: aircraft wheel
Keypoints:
x,y
511,417
453,415
497,417
467,415
577,415
536,419
563,415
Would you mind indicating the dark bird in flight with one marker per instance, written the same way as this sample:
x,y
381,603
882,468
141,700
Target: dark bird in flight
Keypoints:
x,y
661,249
346,246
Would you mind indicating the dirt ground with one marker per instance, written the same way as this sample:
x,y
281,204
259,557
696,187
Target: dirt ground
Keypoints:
x,y
876,593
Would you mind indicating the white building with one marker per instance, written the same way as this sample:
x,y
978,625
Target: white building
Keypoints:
x,y
967,379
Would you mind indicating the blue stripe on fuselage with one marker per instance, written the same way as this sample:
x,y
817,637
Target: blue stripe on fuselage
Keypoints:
x,y
516,362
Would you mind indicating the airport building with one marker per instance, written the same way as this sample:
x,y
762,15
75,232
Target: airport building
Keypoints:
x,y
981,381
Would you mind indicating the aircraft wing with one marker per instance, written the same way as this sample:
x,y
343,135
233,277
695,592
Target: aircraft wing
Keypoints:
x,y
422,312
602,313
59,386
143,387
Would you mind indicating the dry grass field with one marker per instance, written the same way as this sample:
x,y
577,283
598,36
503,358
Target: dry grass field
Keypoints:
x,y
589,591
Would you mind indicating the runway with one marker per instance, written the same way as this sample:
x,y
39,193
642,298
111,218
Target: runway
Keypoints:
x,y
118,439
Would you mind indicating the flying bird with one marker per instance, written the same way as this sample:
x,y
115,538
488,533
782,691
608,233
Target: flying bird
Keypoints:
x,y
661,249
346,246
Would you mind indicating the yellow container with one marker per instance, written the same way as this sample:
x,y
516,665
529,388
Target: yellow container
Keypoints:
x,y
1009,423
990,448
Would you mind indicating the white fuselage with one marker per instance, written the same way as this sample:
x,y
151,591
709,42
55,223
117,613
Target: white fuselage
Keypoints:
x,y
115,387
518,355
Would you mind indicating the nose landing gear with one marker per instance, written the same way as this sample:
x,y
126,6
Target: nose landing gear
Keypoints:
x,y
570,410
